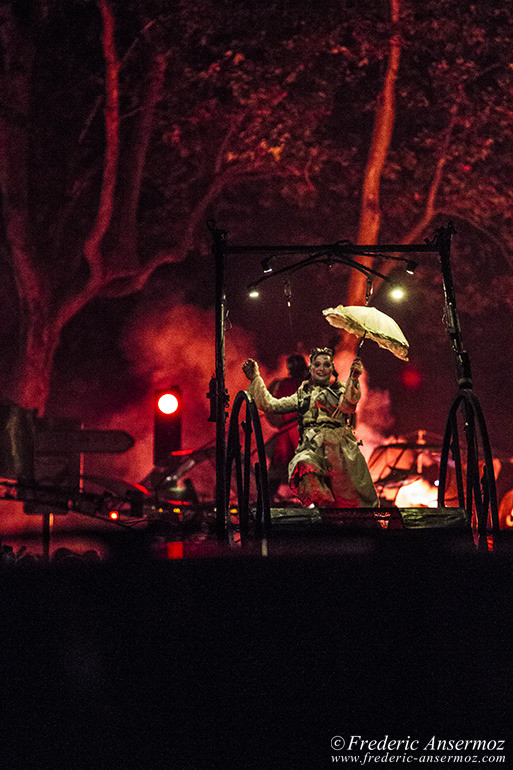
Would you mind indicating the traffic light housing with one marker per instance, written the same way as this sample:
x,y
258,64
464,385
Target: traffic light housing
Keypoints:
x,y
167,436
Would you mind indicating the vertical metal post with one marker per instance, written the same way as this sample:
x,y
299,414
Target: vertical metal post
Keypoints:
x,y
443,242
220,394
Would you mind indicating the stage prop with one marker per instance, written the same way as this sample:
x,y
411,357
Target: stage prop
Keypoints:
x,y
325,520
35,453
369,323
478,495
243,475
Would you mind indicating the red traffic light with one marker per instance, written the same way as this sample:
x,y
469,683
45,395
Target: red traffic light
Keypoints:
x,y
167,415
168,403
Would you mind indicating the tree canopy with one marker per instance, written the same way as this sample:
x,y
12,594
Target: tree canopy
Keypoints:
x,y
125,124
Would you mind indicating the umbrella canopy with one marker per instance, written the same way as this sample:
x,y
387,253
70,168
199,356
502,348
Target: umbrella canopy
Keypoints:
x,y
368,322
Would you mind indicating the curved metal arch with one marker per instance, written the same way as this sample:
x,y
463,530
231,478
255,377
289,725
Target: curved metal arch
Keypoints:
x,y
484,497
250,425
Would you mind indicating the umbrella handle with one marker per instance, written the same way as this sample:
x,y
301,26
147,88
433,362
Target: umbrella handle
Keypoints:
x,y
362,340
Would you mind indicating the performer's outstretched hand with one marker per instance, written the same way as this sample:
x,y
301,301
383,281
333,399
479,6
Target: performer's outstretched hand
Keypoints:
x,y
250,369
356,368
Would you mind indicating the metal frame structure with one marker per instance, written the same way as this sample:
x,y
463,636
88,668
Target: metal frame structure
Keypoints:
x,y
343,252
480,493
233,456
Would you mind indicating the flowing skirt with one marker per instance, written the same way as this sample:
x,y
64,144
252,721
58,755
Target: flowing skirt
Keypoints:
x,y
333,457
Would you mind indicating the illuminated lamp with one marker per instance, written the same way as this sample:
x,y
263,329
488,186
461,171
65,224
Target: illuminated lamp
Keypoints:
x,y
168,403
167,424
397,293
253,292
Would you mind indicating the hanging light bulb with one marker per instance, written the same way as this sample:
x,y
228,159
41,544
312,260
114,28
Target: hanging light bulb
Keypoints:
x,y
397,293
253,292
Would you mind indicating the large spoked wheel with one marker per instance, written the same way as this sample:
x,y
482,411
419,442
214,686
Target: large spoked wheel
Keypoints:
x,y
239,459
476,493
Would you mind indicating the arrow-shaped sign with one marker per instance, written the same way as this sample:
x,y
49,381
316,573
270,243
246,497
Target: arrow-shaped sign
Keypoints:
x,y
58,442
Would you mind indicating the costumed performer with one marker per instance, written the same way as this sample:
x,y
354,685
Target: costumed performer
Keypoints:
x,y
328,468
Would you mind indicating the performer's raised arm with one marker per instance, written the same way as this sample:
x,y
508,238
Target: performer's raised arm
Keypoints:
x,y
352,393
261,395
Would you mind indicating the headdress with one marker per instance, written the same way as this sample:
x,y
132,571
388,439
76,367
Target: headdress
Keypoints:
x,y
321,351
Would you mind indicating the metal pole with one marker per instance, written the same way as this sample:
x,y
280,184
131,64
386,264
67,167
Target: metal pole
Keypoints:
x,y
335,248
220,394
443,242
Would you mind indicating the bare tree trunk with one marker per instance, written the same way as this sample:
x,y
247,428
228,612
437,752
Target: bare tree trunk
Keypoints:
x,y
31,383
43,311
27,389
111,265
370,214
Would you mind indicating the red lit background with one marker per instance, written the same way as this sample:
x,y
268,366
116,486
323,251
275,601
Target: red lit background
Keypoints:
x,y
265,125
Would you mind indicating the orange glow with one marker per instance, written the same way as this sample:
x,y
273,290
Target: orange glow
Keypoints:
x,y
506,511
114,515
419,493
167,403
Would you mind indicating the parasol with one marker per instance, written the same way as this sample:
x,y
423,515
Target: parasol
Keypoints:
x,y
369,322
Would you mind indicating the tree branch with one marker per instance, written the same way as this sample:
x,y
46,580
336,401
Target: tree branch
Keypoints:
x,y
429,209
75,302
130,281
125,224
134,280
480,227
429,213
18,60
106,202
234,128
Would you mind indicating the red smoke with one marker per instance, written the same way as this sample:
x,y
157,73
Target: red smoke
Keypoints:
x,y
175,346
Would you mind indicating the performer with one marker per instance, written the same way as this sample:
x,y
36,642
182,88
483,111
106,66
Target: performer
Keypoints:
x,y
328,468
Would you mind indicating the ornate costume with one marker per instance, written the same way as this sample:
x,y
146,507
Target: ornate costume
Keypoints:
x,y
328,467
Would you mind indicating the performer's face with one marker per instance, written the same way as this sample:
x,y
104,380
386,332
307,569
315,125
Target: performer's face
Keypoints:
x,y
321,369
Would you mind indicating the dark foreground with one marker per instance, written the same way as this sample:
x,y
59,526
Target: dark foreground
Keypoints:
x,y
249,661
